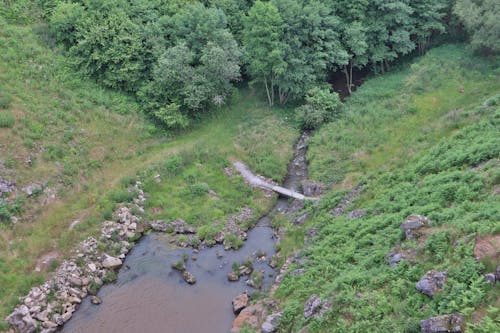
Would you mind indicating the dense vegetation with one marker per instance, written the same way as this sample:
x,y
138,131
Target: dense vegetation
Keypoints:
x,y
421,147
78,76
182,58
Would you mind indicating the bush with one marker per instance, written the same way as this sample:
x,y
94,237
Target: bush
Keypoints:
x,y
4,214
7,119
171,116
321,106
5,101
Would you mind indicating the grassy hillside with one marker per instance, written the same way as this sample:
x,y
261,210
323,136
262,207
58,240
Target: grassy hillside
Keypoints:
x,y
85,144
425,140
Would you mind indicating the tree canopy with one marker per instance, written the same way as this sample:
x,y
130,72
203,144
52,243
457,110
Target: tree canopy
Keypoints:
x,y
183,57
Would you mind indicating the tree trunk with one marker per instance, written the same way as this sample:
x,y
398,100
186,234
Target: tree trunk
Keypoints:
x,y
386,65
283,96
348,77
268,94
272,90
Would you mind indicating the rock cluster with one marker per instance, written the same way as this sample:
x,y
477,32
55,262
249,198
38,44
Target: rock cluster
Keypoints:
x,y
6,187
412,225
33,188
396,255
312,189
52,304
451,323
315,307
431,283
342,206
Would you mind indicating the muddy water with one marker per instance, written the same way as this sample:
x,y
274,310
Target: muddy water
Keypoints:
x,y
150,296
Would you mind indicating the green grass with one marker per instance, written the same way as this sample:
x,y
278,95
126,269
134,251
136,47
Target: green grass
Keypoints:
x,y
399,114
417,142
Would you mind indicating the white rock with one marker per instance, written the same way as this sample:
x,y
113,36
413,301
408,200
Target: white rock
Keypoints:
x,y
111,262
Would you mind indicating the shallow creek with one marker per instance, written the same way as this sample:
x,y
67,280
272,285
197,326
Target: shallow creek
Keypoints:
x,y
150,296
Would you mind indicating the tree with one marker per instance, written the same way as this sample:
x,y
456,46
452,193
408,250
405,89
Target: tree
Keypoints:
x,y
481,19
262,35
110,48
64,22
311,45
197,71
427,18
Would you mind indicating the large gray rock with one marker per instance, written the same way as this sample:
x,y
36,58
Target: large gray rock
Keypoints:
x,y
490,277
497,273
451,323
431,283
412,224
271,323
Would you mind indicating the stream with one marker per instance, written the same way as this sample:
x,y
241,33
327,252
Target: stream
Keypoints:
x,y
150,296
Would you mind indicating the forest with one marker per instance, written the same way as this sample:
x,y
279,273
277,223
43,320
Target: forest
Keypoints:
x,y
181,59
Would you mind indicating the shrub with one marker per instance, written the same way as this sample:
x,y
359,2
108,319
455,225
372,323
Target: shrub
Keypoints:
x,y
5,101
321,106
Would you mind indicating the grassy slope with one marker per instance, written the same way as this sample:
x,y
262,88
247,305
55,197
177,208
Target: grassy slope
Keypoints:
x,y
88,142
413,137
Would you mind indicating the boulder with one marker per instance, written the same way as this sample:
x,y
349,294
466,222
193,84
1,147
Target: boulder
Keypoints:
x,y
111,262
497,273
271,323
451,323
240,302
431,283
251,316
490,277
188,277
233,276
412,224
95,300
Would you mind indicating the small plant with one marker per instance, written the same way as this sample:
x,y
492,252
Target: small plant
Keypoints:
x,y
109,277
7,119
248,263
5,101
93,287
185,256
179,265
5,216
80,262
